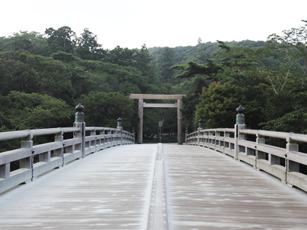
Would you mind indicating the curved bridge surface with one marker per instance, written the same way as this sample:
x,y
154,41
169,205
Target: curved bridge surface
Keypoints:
x,y
154,186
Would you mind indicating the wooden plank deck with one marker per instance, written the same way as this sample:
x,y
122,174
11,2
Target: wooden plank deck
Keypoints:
x,y
107,190
208,190
154,187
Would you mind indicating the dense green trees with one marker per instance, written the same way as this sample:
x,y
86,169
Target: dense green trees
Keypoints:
x,y
166,61
42,78
62,39
88,47
33,42
268,80
60,70
30,111
103,109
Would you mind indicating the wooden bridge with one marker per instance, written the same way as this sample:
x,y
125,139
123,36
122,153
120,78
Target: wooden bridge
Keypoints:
x,y
97,178
154,186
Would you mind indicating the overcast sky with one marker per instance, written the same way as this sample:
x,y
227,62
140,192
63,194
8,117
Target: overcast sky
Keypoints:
x,y
132,23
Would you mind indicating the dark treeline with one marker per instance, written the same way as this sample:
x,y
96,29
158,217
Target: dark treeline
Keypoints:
x,y
44,76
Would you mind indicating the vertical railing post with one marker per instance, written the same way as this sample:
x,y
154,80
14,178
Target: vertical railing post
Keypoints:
x,y
291,166
226,135
103,132
5,171
200,127
93,134
133,135
240,124
110,138
186,135
217,135
28,162
79,122
59,138
259,140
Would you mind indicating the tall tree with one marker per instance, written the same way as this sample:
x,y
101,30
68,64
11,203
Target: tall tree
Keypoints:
x,y
62,39
166,61
88,47
291,49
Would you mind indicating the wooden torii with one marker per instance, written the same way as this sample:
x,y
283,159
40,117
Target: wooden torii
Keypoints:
x,y
143,105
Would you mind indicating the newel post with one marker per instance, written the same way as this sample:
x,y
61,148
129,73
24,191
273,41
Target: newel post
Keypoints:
x,y
240,124
120,129
79,122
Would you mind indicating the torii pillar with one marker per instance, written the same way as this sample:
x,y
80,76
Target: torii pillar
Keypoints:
x,y
141,115
142,104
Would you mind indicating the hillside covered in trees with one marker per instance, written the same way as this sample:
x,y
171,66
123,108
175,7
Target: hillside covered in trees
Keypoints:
x,y
44,76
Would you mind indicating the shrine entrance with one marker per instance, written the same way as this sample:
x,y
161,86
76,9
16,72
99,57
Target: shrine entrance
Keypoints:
x,y
142,105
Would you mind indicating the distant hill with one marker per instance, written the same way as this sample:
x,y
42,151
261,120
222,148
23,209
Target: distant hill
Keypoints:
x,y
198,53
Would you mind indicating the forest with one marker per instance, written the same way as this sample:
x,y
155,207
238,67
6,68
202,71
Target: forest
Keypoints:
x,y
44,76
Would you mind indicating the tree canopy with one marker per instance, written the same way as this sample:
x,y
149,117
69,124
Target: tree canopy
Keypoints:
x,y
43,77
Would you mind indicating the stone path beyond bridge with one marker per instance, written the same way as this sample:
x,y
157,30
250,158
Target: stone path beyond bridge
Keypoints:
x,y
153,186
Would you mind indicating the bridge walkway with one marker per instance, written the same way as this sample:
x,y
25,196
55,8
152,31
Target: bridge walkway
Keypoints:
x,y
153,186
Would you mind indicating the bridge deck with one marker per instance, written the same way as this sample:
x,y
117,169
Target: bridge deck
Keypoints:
x,y
125,188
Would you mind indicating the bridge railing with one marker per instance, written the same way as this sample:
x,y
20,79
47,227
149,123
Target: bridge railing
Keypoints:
x,y
218,139
31,160
286,162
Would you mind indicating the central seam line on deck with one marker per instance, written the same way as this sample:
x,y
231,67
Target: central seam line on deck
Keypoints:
x,y
157,219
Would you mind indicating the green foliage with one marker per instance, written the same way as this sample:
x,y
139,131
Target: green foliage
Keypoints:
x,y
18,71
294,121
239,64
88,47
110,77
29,111
166,61
62,39
223,46
63,56
287,111
33,42
103,109
139,59
25,72
151,123
217,105
210,69
60,69
67,77
290,50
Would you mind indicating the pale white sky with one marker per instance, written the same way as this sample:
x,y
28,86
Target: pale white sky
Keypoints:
x,y
132,23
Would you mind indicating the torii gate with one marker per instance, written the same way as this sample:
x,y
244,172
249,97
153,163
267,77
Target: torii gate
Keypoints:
x,y
143,105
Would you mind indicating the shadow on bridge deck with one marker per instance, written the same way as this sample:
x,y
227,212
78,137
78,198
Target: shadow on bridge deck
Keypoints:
x,y
124,188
